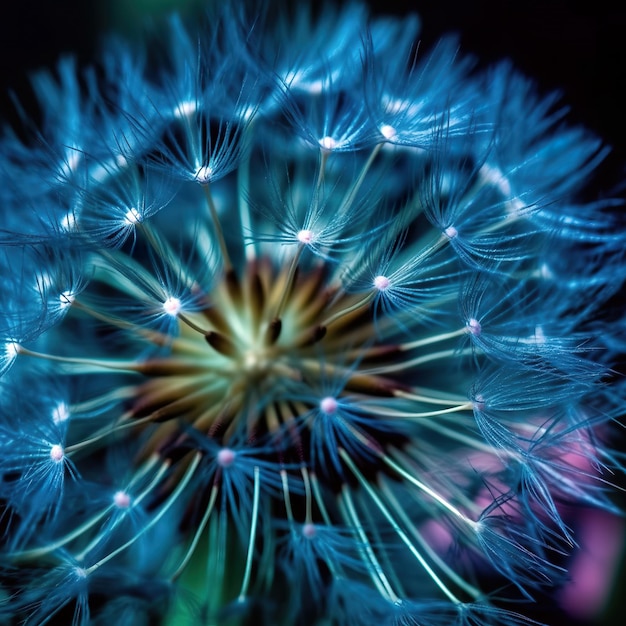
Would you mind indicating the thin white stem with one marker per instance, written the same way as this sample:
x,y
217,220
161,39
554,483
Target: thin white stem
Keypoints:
x,y
427,490
308,517
353,307
396,527
106,364
98,538
376,571
320,501
411,345
196,538
286,496
432,554
218,227
426,358
420,414
253,525
348,199
173,498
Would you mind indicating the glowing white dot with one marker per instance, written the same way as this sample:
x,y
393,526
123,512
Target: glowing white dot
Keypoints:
x,y
546,272
57,453
329,405
309,531
328,143
80,572
387,131
60,413
473,326
451,232
66,299
204,174
69,222
247,114
121,499
226,457
133,216
71,163
315,87
381,283
185,108
12,349
172,306
305,236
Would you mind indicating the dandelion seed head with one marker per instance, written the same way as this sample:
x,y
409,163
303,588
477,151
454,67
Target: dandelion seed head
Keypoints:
x,y
451,232
388,131
204,174
122,500
226,457
133,216
57,454
306,237
172,306
309,531
66,298
260,307
474,326
328,143
329,405
382,283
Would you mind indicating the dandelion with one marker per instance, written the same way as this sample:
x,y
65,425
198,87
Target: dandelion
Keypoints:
x,y
284,317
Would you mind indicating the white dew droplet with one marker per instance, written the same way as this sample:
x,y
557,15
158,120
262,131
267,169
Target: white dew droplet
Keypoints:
x,y
60,413
185,108
121,499
57,453
328,143
381,283
387,131
133,216
69,222
66,298
12,349
451,232
473,326
226,457
545,272
71,162
172,306
309,531
204,174
329,405
305,236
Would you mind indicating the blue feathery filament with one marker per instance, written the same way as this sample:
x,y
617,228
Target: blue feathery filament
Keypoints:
x,y
299,328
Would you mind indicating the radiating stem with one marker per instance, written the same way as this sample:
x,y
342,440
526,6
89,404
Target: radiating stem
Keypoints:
x,y
219,233
253,525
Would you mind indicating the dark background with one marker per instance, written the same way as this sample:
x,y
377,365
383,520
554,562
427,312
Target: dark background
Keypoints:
x,y
578,50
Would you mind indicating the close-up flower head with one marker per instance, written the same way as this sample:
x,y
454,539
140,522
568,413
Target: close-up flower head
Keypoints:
x,y
302,324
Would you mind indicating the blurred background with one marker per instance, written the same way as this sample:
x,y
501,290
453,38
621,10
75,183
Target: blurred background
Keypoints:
x,y
575,48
